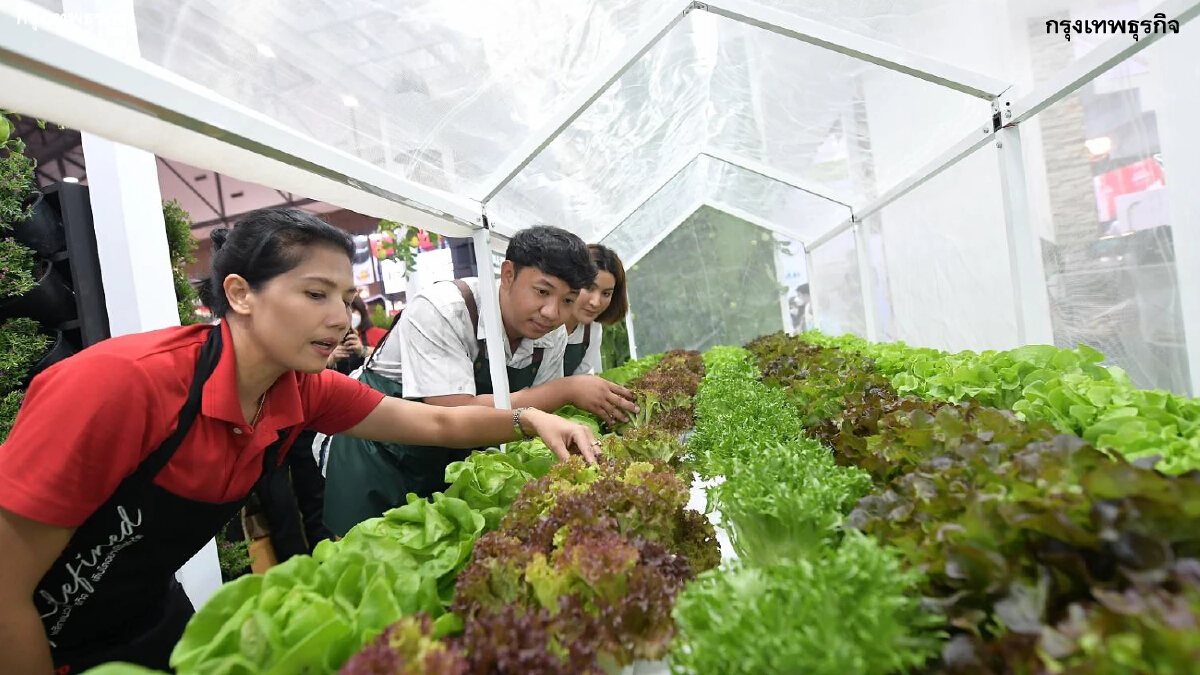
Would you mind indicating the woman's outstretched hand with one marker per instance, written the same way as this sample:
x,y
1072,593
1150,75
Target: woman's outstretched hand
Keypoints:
x,y
561,435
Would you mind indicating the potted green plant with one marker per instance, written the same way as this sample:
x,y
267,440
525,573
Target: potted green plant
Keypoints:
x,y
24,213
181,245
51,301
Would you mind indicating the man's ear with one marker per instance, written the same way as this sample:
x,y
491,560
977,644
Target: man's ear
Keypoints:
x,y
238,292
508,274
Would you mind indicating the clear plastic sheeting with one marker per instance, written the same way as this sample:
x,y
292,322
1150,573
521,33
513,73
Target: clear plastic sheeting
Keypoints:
x,y
439,91
945,243
806,111
651,119
1099,169
733,190
837,287
714,83
979,35
663,212
712,281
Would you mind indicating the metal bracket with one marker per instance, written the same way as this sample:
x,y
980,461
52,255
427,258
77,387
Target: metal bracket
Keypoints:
x,y
1002,110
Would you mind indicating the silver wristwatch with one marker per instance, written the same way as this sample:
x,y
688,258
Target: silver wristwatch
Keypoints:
x,y
517,424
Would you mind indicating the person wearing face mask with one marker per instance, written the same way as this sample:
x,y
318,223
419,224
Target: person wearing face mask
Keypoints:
x,y
360,340
126,458
437,354
604,303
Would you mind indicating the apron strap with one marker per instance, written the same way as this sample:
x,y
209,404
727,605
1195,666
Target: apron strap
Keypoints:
x,y
395,322
472,310
537,358
210,354
587,336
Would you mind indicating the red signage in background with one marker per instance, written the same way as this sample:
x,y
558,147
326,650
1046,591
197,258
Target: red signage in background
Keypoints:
x,y
1126,180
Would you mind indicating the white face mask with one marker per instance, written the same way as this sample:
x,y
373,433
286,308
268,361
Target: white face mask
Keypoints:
x,y
355,321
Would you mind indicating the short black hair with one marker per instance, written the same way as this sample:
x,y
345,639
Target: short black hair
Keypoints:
x,y
802,289
555,252
264,244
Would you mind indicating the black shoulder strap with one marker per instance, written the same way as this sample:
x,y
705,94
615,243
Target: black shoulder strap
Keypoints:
x,y
537,358
395,322
587,336
472,309
210,355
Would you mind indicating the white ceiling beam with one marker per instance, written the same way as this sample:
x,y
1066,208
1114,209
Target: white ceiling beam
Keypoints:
x,y
756,167
53,70
754,219
1107,54
859,47
638,44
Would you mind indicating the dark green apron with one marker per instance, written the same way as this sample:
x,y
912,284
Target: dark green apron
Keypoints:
x,y
575,353
363,479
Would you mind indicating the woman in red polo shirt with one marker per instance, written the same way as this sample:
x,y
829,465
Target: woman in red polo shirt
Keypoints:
x,y
128,457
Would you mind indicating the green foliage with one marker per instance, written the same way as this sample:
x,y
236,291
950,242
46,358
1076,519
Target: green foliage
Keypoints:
x,y
301,616
380,317
643,444
843,610
724,266
432,538
233,556
9,407
784,502
182,247
1044,553
402,242
664,393
1069,388
22,345
488,482
17,266
630,369
17,180
614,346
583,570
311,613
736,414
411,646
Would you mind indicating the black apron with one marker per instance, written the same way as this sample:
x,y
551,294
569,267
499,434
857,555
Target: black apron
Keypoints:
x,y
112,594
364,479
574,354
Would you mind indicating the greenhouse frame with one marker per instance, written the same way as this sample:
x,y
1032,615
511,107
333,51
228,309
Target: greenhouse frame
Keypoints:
x,y
58,70
968,176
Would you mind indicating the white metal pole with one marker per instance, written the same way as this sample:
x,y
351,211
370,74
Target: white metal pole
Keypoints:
x,y
1181,156
1024,247
493,326
629,331
131,239
810,274
865,276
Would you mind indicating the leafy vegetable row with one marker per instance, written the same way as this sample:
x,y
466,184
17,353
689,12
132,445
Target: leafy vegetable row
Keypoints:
x,y
803,596
582,572
1044,554
1069,388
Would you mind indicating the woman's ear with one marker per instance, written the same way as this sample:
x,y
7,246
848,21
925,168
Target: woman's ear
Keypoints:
x,y
238,292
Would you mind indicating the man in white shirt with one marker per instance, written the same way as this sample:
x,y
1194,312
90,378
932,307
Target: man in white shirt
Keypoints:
x,y
437,354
